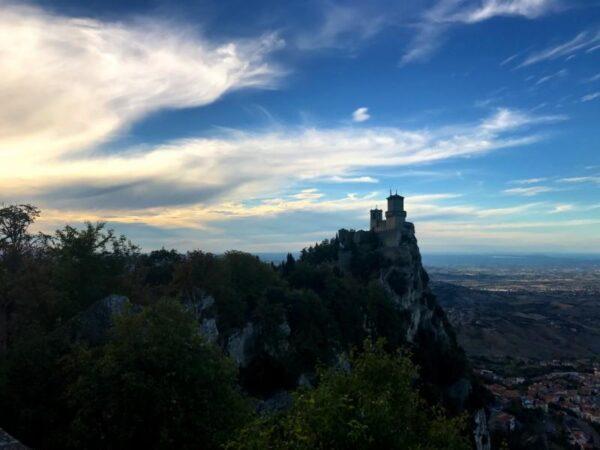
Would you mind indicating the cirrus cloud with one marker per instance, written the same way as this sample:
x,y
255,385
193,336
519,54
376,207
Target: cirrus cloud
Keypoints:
x,y
70,83
239,166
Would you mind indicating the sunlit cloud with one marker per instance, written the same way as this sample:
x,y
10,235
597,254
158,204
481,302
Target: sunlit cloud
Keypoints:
x,y
69,84
365,179
244,165
562,208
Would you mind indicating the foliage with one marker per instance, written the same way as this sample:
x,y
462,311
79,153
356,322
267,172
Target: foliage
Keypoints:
x,y
14,223
156,384
87,265
373,405
326,251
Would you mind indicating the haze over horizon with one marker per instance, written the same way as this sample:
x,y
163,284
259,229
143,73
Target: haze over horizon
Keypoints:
x,y
266,127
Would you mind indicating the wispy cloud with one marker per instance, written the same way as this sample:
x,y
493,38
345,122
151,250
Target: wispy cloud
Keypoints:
x,y
365,179
242,165
575,180
592,78
507,119
590,97
307,194
343,26
585,40
446,14
562,208
361,115
529,180
492,8
528,191
560,74
71,83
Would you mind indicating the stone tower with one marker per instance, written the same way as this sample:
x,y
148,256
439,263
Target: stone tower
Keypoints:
x,y
376,217
395,214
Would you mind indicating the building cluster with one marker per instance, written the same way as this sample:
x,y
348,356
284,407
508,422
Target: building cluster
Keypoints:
x,y
567,393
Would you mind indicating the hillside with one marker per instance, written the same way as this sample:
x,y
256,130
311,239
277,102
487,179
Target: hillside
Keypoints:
x,y
110,341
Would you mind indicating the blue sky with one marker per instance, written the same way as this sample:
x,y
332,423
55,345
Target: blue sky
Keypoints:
x,y
268,125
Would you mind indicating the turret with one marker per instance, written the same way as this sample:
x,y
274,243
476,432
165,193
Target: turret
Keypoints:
x,y
376,217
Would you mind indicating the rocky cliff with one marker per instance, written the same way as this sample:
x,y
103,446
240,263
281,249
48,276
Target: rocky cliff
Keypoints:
x,y
422,321
411,318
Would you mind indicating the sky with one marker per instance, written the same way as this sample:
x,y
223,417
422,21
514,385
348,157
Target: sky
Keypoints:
x,y
266,126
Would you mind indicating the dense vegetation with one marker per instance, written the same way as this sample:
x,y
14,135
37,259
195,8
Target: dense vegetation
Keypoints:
x,y
151,380
369,404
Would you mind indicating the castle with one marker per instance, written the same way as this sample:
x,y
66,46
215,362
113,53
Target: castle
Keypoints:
x,y
395,215
391,231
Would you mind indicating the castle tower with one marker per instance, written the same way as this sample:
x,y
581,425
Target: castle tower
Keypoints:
x,y
395,214
376,217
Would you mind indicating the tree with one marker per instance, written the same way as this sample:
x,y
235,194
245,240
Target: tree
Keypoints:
x,y
14,242
14,224
88,264
156,384
372,404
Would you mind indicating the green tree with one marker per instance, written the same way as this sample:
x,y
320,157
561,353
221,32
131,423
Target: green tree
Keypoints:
x,y
156,384
370,405
88,264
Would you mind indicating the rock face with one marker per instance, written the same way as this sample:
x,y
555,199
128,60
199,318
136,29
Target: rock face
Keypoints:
x,y
7,442
481,434
239,343
424,324
92,325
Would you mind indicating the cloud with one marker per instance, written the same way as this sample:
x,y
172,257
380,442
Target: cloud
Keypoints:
x,y
68,83
529,180
365,179
560,74
528,191
446,14
586,40
590,97
307,194
361,115
343,26
562,208
245,165
592,78
506,119
588,179
489,9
